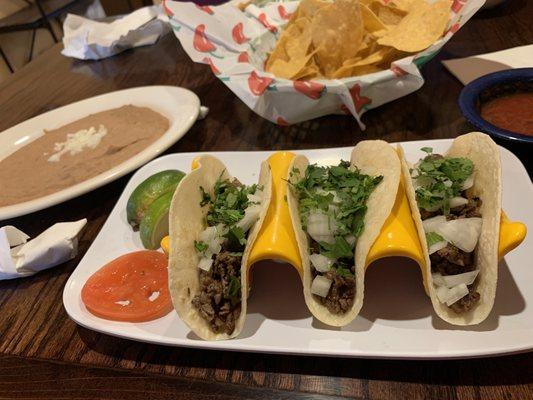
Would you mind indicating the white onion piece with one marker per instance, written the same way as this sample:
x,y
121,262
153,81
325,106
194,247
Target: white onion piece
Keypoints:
x,y
255,198
443,293
453,280
205,263
211,238
437,246
437,279
320,286
462,233
321,262
251,215
350,239
458,201
468,183
448,183
456,293
431,224
451,295
321,228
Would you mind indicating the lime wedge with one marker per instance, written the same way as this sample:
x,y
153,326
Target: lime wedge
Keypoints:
x,y
154,225
148,191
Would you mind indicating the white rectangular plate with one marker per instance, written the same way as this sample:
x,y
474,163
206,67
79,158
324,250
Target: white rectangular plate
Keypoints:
x,y
397,320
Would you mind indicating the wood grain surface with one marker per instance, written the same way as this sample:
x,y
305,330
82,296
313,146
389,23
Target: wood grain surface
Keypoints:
x,y
43,354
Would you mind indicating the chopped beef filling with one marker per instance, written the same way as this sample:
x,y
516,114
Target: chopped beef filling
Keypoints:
x,y
341,293
452,260
466,303
216,302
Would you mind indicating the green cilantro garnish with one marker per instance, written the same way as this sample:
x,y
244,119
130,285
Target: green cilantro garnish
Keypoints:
x,y
339,249
341,192
200,246
228,202
349,189
344,271
439,179
206,198
432,238
236,239
234,290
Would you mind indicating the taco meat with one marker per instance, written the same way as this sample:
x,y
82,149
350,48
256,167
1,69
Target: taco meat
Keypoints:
x,y
341,294
216,302
452,261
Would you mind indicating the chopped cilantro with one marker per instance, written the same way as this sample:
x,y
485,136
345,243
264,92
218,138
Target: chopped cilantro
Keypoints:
x,y
234,290
206,198
339,249
343,271
432,238
341,192
428,150
439,179
236,239
200,246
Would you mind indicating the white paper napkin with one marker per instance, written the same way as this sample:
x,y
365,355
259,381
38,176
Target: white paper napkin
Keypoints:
x,y
20,257
470,68
91,40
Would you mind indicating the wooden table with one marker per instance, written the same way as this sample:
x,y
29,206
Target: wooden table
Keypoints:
x,y
43,354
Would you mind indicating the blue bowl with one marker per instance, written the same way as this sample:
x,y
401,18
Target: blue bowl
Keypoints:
x,y
489,87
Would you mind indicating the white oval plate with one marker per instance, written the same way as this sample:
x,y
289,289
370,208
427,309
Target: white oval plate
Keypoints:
x,y
180,106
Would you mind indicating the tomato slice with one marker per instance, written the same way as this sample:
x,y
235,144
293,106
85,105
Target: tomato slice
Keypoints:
x,y
133,288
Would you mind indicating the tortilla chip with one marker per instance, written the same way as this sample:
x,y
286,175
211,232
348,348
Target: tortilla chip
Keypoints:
x,y
420,28
341,19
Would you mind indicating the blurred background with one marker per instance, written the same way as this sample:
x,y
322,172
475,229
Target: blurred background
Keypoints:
x,y
29,27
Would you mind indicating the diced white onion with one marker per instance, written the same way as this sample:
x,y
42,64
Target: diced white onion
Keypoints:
x,y
431,224
321,228
456,293
437,246
350,239
437,279
205,263
462,233
468,183
453,280
251,215
458,201
321,262
255,198
211,236
443,293
451,295
320,286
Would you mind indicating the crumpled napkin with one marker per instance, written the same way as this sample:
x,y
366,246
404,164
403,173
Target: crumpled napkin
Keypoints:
x,y
20,257
470,68
91,40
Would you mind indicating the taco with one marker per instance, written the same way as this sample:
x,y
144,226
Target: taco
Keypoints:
x,y
213,222
337,213
456,204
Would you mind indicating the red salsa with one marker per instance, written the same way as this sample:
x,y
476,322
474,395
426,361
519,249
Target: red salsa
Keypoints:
x,y
513,112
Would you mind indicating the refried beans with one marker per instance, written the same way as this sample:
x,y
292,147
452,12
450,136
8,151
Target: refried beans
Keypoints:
x,y
28,174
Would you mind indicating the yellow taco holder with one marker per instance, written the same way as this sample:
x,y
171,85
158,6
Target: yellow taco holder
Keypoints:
x,y
398,237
